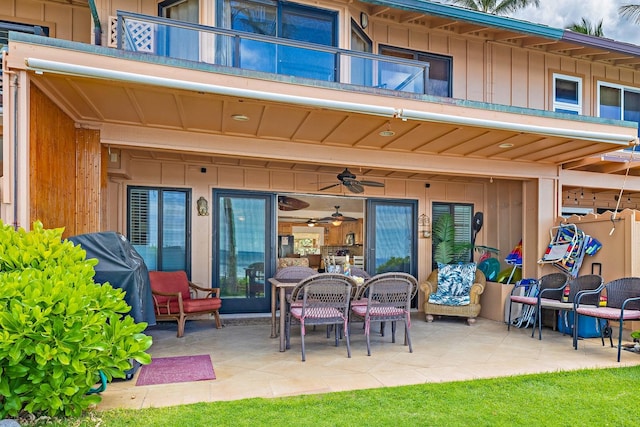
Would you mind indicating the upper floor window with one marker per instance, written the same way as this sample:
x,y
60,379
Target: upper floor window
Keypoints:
x,y
6,26
361,68
286,20
411,78
618,102
567,94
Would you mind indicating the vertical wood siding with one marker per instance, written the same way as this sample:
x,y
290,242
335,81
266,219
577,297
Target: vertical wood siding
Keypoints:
x,y
52,162
66,178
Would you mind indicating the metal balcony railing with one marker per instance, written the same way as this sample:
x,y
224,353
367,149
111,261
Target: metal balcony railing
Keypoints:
x,y
249,51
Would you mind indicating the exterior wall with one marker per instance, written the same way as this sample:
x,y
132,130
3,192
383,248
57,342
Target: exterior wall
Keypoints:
x,y
506,195
503,219
488,71
65,173
65,21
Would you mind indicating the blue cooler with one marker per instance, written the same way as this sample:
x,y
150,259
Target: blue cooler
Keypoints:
x,y
589,327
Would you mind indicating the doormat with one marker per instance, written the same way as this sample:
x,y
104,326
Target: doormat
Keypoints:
x,y
180,369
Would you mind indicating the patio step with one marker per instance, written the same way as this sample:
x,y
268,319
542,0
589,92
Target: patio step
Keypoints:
x,y
246,319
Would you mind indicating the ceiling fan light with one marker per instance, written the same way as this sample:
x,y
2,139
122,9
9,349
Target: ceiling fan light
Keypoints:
x,y
311,223
336,222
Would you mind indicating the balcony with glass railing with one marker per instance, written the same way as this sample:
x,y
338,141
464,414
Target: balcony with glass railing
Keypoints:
x,y
249,51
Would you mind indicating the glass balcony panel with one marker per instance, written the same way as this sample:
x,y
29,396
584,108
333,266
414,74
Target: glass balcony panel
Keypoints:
x,y
269,54
401,77
257,56
302,62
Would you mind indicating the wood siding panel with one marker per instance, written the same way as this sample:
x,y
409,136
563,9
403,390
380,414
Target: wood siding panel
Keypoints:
x,y
419,40
308,182
69,22
536,80
568,65
173,173
258,179
393,187
520,78
379,33
439,43
583,70
501,79
284,180
473,75
461,69
398,36
147,172
52,162
63,16
90,181
231,177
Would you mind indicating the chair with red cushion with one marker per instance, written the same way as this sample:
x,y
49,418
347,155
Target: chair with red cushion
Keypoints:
x,y
172,298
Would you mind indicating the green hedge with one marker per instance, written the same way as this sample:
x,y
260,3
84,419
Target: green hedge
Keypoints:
x,y
58,328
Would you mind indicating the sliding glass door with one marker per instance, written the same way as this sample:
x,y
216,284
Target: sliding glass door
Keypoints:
x,y
243,241
392,236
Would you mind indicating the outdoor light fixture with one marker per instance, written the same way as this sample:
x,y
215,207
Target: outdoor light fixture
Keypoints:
x,y
387,131
203,206
240,118
364,20
425,224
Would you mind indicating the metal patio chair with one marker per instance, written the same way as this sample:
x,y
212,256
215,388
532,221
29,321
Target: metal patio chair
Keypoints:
x,y
623,303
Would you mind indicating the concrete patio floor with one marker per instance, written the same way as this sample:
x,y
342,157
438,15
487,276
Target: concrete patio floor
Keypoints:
x,y
247,362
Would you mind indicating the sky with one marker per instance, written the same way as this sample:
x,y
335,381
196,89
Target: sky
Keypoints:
x,y
563,13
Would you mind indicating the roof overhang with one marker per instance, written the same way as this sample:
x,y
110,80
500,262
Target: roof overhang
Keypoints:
x,y
289,116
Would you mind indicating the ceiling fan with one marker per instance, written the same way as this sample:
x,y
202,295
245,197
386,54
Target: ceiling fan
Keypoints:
x,y
348,179
286,203
337,218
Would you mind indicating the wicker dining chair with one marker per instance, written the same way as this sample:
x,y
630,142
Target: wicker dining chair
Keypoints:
x,y
623,303
323,300
388,299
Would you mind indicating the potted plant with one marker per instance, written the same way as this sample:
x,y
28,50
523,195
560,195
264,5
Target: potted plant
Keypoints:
x,y
446,249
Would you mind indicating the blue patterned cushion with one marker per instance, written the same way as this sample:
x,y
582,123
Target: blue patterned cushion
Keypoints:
x,y
454,284
448,299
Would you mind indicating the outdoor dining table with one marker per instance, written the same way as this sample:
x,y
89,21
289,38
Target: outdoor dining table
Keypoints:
x,y
280,287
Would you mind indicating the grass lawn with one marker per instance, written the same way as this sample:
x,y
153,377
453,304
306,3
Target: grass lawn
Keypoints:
x,y
598,397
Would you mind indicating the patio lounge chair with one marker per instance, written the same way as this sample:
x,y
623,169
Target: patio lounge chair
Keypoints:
x,y
434,306
172,298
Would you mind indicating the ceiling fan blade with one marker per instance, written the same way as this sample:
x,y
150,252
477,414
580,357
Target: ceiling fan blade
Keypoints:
x,y
286,203
329,186
372,183
354,186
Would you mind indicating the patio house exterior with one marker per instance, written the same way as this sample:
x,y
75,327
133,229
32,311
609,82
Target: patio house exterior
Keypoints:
x,y
239,103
